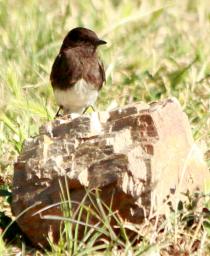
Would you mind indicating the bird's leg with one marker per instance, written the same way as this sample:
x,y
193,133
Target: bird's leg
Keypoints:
x,y
88,108
85,110
58,112
93,108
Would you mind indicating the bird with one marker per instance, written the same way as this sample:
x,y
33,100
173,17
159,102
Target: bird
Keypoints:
x,y
77,74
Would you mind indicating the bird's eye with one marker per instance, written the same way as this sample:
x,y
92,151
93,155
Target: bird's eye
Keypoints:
x,y
84,40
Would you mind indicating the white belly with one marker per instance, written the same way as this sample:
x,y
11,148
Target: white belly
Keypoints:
x,y
77,98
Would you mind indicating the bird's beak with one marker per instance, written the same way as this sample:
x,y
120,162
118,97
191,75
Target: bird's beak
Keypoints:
x,y
99,42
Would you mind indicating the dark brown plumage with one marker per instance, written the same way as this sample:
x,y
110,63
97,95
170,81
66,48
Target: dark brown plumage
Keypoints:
x,y
77,73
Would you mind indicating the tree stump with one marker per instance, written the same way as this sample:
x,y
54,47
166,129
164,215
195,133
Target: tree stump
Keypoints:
x,y
140,152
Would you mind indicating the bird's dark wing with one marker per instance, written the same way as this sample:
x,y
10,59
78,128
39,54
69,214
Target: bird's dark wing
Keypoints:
x,y
66,70
102,72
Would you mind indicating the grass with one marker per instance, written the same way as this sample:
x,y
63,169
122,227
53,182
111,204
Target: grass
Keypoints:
x,y
156,49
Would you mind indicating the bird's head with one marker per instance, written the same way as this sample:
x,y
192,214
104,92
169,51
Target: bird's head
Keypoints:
x,y
81,36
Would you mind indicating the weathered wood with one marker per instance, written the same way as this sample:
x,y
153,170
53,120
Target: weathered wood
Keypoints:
x,y
142,152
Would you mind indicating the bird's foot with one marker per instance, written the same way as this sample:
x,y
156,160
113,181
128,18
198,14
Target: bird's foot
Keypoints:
x,y
57,115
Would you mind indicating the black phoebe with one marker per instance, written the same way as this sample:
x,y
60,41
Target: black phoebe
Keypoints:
x,y
77,73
